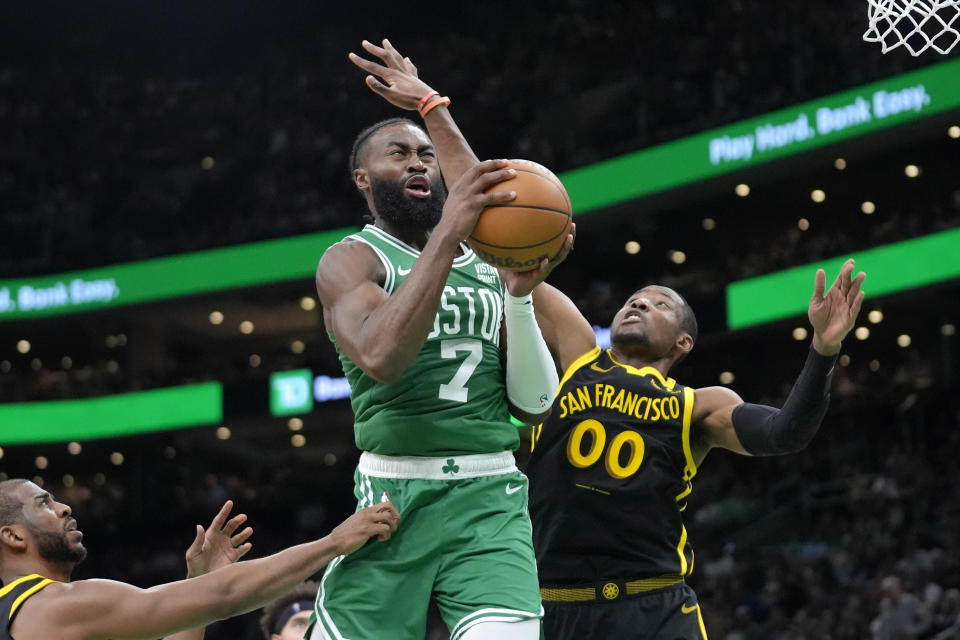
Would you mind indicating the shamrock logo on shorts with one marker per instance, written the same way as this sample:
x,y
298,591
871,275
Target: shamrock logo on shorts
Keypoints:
x,y
451,467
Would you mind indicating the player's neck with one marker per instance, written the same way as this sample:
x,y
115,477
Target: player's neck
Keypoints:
x,y
639,358
14,569
415,237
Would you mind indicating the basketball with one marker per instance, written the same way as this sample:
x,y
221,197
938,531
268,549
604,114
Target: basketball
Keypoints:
x,y
519,234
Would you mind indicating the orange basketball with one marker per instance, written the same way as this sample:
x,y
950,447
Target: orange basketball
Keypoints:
x,y
519,234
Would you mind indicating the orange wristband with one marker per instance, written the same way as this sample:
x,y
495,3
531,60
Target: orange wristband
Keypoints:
x,y
427,108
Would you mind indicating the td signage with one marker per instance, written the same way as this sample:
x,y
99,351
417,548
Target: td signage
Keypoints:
x,y
290,392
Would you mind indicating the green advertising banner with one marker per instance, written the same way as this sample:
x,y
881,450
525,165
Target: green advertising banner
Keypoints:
x,y
110,416
170,277
813,124
890,268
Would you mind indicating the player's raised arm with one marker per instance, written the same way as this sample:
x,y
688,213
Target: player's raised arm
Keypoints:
x,y
396,81
384,333
725,421
102,609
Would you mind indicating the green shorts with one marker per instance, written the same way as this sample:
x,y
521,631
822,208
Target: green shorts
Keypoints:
x,y
464,536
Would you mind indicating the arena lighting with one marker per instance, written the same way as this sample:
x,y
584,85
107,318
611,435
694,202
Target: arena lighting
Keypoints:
x,y
868,207
116,458
23,346
66,362
632,247
255,360
246,327
861,333
840,164
223,433
911,171
74,448
68,480
298,440
111,416
875,316
215,317
954,132
818,195
800,333
709,224
726,377
844,360
948,330
890,268
803,224
207,162
41,462
742,190
307,303
903,340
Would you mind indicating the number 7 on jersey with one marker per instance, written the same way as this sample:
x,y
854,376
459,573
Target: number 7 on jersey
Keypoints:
x,y
456,390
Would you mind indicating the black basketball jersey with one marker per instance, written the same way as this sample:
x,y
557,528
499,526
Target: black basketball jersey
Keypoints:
x,y
610,474
13,595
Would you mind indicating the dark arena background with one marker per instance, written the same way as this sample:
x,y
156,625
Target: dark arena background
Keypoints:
x,y
171,172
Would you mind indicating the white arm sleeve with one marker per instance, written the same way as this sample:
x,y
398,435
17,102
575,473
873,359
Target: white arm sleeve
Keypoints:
x,y
531,373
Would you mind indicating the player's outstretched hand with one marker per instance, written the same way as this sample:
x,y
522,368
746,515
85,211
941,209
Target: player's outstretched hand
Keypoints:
x,y
834,313
380,520
396,79
520,283
467,198
219,545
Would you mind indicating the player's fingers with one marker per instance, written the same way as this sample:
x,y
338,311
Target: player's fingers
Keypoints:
x,y
233,523
368,65
197,544
244,549
394,56
495,176
409,67
374,49
242,537
819,284
855,285
858,302
218,520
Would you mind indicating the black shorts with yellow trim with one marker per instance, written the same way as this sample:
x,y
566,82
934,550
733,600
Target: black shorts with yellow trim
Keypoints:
x,y
663,608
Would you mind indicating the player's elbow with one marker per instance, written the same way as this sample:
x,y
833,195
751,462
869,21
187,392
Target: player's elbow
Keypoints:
x,y
384,368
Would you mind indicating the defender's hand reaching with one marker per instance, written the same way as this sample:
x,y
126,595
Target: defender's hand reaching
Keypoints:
x,y
833,314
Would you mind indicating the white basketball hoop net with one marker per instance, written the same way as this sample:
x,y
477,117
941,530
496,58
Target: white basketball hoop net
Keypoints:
x,y
918,25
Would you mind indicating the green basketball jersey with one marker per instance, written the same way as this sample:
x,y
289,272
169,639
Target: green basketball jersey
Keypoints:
x,y
452,398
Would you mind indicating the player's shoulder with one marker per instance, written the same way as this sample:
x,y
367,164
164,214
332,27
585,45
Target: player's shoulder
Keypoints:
x,y
709,399
350,257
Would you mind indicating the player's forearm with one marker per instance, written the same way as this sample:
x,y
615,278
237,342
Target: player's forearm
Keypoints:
x,y
244,586
766,430
531,375
453,151
393,335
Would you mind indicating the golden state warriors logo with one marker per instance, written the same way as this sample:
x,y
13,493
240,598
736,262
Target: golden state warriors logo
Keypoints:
x,y
610,591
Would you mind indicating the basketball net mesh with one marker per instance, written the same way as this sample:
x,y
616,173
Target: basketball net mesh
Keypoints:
x,y
918,25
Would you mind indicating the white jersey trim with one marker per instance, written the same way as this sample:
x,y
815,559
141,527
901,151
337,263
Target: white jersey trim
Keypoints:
x,y
391,279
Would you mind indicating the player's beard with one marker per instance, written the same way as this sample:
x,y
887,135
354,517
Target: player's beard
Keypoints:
x,y
395,206
54,547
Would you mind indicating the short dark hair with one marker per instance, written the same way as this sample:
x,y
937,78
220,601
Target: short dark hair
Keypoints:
x,y
364,135
303,591
11,507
